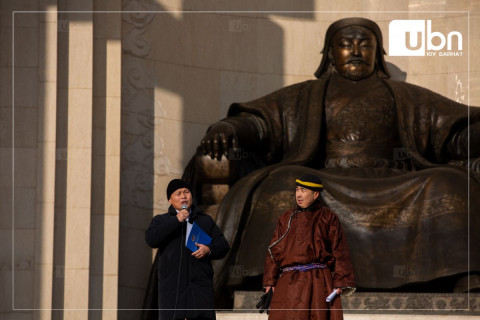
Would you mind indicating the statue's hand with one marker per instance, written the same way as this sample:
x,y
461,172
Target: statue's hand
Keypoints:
x,y
220,138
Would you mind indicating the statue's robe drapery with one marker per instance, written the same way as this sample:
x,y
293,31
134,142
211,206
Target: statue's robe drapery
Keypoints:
x,y
402,226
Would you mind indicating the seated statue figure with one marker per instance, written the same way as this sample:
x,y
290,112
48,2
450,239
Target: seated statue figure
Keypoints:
x,y
399,165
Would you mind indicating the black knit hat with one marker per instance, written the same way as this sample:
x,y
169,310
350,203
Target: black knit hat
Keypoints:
x,y
174,185
310,181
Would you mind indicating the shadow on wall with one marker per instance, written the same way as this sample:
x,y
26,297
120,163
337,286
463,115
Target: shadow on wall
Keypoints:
x,y
206,61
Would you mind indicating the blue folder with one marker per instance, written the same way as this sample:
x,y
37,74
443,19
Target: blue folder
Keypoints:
x,y
197,235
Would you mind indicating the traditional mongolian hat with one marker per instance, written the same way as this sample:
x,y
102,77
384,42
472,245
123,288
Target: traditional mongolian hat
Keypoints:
x,y
310,181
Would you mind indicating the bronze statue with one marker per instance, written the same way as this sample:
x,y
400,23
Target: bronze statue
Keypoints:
x,y
393,157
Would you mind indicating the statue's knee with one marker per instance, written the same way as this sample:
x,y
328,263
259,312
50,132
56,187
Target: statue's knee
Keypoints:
x,y
213,176
212,170
446,177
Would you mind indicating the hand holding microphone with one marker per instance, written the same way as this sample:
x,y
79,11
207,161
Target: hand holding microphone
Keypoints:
x,y
183,213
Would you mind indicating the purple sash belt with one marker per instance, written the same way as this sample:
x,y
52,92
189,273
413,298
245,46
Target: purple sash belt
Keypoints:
x,y
305,267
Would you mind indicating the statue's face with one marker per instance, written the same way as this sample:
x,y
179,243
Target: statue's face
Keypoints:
x,y
353,52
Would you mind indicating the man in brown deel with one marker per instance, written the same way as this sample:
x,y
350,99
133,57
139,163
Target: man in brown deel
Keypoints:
x,y
307,259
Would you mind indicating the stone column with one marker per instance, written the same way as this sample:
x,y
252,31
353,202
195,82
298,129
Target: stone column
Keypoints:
x,y
21,186
74,164
45,192
104,247
137,173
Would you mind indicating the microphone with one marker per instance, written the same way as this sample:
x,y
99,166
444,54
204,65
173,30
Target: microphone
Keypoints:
x,y
185,207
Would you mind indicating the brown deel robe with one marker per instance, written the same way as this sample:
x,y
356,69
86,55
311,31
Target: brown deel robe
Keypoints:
x,y
315,236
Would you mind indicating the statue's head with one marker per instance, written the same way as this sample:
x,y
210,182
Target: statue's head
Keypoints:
x,y
354,48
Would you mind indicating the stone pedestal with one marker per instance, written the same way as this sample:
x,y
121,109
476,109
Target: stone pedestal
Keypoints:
x,y
347,316
389,303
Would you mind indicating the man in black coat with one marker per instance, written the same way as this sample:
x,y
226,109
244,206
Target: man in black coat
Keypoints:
x,y
185,279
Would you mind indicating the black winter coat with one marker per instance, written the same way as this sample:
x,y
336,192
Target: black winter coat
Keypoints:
x,y
185,284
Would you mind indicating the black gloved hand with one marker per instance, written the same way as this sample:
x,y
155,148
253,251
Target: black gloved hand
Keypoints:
x,y
264,303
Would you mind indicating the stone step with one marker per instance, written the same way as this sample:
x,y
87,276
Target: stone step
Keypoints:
x,y
233,315
362,305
